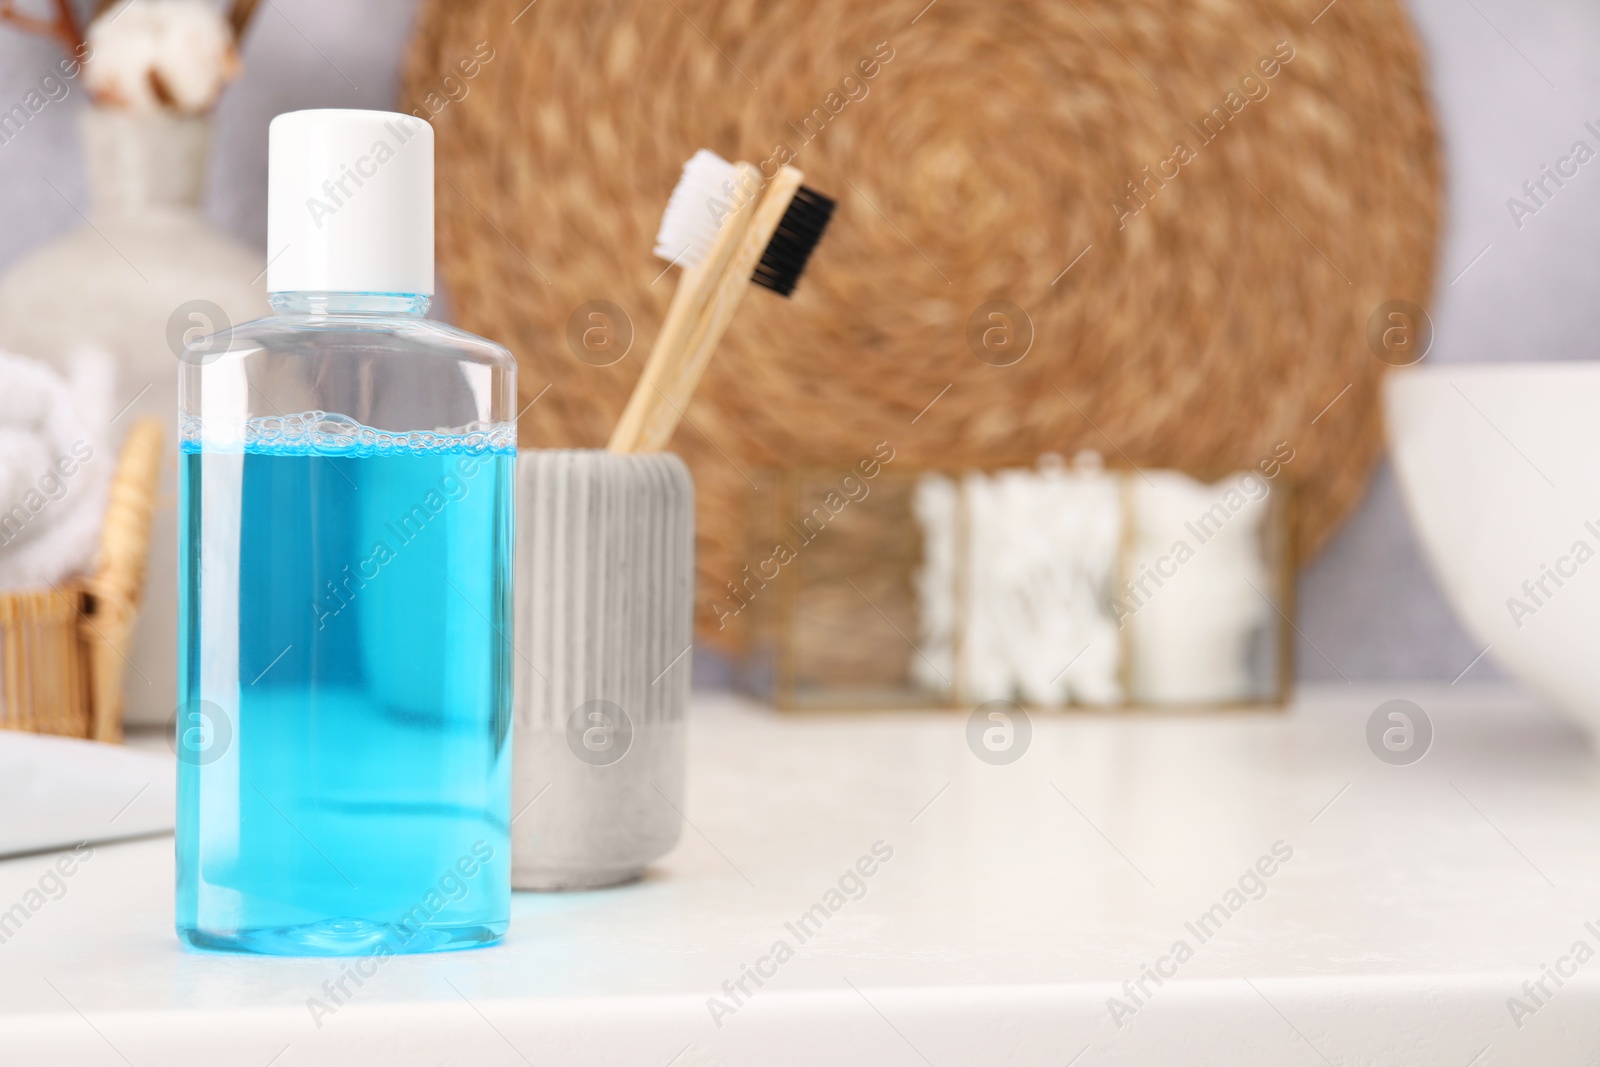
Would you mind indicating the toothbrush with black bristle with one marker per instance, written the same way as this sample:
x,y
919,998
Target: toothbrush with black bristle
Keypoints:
x,y
726,238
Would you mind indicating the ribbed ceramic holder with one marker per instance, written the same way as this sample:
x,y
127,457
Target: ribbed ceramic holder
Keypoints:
x,y
604,599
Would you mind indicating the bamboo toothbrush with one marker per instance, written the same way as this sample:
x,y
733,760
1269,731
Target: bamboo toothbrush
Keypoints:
x,y
767,243
705,219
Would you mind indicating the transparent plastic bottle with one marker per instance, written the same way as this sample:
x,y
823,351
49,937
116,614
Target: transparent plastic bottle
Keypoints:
x,y
344,601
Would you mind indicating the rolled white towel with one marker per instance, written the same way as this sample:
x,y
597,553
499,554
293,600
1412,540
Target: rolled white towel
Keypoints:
x,y
56,462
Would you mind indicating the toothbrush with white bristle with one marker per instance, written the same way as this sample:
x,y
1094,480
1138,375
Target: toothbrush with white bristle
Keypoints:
x,y
767,243
709,188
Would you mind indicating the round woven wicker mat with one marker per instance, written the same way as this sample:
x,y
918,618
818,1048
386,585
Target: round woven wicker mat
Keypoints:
x,y
1191,315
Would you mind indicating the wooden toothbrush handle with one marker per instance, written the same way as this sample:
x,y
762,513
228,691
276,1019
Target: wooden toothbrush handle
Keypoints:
x,y
676,386
695,287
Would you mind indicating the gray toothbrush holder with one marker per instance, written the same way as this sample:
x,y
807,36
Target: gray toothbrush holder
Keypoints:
x,y
603,629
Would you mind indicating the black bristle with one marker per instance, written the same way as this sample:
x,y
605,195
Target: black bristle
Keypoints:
x,y
793,242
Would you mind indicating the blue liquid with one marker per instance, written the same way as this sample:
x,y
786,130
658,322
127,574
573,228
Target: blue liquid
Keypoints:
x,y
344,695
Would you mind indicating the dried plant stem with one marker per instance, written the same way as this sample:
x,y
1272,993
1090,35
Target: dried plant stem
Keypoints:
x,y
239,15
64,27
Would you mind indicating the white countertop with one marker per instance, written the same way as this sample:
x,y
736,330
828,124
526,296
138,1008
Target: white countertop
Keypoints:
x,y
1018,900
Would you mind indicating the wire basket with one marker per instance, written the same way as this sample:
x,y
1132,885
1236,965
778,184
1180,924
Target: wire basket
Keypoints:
x,y
63,650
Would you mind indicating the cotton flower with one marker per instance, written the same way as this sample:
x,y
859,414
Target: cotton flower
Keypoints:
x,y
155,55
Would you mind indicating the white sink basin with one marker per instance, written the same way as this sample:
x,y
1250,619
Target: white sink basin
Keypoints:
x,y
1500,466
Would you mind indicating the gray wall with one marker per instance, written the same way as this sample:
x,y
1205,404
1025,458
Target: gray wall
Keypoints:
x,y
1514,84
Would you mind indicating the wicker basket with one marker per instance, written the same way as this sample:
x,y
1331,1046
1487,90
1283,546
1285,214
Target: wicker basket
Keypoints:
x,y
63,649
1017,155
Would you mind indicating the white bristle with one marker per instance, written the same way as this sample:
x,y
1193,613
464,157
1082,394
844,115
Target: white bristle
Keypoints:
x,y
704,197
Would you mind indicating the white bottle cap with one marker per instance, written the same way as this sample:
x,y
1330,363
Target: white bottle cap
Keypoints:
x,y
350,203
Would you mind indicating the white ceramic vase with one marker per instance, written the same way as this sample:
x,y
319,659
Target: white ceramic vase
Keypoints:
x,y
144,268
604,605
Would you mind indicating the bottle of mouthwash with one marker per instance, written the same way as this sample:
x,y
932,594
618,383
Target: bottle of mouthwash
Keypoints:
x,y
345,563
